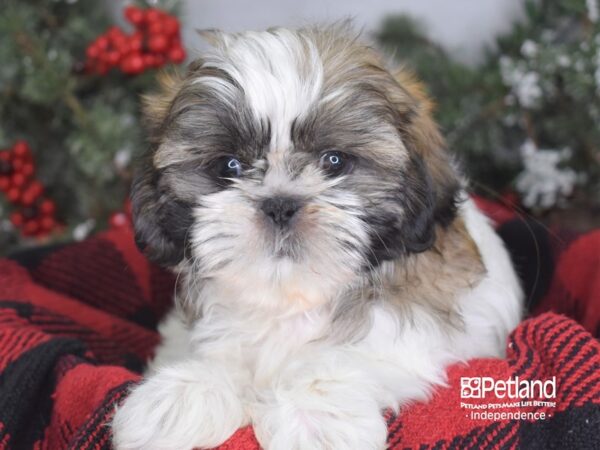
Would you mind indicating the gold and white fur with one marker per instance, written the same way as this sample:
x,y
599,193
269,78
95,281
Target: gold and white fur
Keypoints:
x,y
388,274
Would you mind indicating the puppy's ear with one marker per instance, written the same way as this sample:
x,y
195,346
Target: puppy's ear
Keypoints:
x,y
432,183
161,219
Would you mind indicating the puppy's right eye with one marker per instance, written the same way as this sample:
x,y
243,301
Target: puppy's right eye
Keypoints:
x,y
228,167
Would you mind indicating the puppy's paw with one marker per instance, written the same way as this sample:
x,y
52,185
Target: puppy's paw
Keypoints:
x,y
180,407
325,416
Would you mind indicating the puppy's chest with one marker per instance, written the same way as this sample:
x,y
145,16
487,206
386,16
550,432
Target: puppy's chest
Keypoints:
x,y
260,342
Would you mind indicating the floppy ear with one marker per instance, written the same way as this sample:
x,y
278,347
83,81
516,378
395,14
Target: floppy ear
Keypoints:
x,y
432,183
161,219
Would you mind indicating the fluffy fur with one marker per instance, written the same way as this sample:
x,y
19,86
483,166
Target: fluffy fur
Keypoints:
x,y
385,274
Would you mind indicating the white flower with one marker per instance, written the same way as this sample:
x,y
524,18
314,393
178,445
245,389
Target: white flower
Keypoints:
x,y
528,90
542,183
122,158
563,60
529,48
524,85
83,230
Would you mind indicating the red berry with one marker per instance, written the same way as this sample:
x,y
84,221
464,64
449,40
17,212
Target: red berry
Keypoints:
x,y
36,188
28,198
134,15
13,194
152,15
102,42
47,207
4,183
47,223
21,149
102,68
113,32
156,28
176,54
28,170
171,26
149,60
92,51
132,64
30,228
120,43
136,42
113,57
18,180
118,220
4,155
158,43
18,164
159,60
17,219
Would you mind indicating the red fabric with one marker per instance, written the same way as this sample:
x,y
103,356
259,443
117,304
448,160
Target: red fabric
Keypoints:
x,y
77,324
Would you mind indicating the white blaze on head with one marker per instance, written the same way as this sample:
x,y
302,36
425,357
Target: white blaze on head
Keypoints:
x,y
279,71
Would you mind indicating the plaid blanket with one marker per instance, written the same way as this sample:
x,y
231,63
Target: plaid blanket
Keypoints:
x,y
78,322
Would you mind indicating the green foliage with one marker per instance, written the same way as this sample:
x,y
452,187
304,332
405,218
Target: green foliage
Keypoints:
x,y
75,123
541,84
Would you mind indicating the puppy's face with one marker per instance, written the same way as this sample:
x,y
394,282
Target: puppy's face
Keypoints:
x,y
290,160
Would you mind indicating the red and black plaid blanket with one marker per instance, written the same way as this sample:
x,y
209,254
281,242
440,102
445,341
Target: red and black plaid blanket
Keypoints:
x,y
78,322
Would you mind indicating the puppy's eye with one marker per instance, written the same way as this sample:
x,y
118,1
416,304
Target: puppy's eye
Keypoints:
x,y
228,167
335,163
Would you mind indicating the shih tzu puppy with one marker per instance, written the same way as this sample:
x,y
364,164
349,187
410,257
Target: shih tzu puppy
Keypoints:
x,y
331,265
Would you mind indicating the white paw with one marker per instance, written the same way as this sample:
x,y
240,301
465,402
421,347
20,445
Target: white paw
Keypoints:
x,y
179,407
323,416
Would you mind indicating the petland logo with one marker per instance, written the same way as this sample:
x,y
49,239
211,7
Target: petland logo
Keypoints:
x,y
513,388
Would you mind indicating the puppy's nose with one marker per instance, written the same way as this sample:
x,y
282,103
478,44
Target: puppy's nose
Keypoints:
x,y
280,209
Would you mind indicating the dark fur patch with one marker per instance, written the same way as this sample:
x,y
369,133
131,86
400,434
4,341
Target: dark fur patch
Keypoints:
x,y
204,127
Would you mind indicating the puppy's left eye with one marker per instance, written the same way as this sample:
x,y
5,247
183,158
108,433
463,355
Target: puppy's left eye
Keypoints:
x,y
228,167
335,163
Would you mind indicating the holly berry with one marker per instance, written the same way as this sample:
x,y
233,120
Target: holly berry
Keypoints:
x,y
133,64
134,15
13,195
47,223
154,42
4,183
171,26
35,214
177,54
47,207
118,220
158,43
28,170
17,165
30,228
21,149
153,15
17,219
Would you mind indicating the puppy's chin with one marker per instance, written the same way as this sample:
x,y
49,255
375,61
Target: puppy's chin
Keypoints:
x,y
279,283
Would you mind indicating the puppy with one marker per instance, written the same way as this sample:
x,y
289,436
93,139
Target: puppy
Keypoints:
x,y
331,265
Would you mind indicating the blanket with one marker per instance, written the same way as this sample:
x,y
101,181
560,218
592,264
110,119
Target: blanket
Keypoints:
x,y
78,322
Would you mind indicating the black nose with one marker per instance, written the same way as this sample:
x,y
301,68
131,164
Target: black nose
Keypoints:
x,y
280,209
